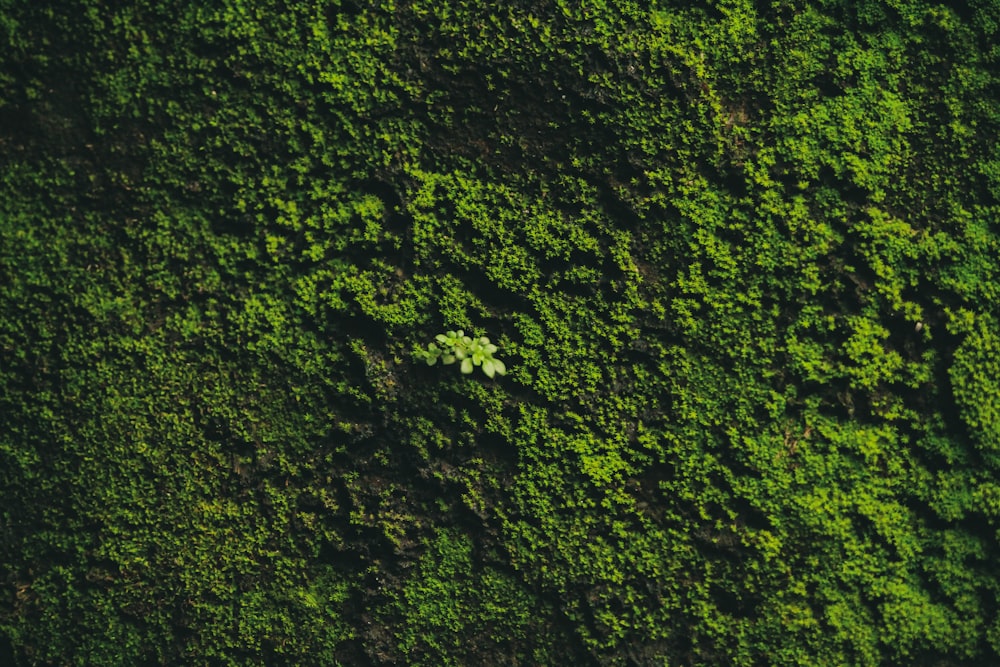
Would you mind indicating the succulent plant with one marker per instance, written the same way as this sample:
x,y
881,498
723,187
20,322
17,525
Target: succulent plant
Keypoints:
x,y
455,346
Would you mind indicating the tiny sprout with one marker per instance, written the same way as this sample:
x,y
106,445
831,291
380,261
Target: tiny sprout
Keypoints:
x,y
471,352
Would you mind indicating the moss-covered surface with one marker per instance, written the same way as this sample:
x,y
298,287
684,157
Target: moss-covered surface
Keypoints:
x,y
742,261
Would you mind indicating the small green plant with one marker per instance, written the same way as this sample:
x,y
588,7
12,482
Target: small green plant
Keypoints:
x,y
456,346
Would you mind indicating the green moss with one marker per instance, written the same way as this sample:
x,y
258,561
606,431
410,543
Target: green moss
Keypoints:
x,y
739,259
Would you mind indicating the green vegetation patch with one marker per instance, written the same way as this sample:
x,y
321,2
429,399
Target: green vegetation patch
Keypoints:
x,y
730,271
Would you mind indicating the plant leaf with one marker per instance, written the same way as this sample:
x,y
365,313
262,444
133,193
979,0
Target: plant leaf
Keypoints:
x,y
488,368
466,366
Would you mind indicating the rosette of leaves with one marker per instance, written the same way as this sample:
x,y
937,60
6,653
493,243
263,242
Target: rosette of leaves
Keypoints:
x,y
470,352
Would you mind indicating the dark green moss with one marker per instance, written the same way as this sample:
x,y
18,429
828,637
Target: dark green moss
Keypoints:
x,y
739,258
